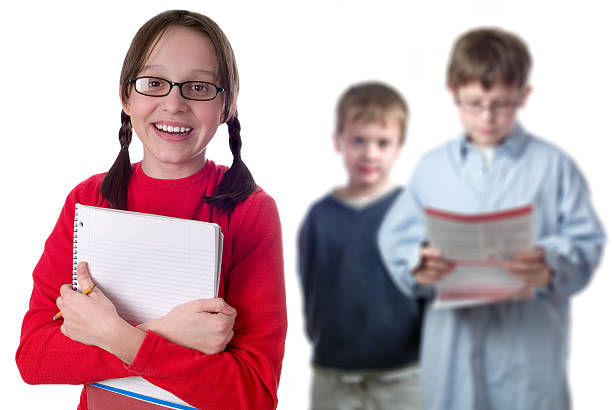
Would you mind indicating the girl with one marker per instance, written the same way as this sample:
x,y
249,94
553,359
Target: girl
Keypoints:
x,y
179,82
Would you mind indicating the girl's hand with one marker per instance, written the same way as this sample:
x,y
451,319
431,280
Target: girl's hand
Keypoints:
x,y
203,324
93,320
432,268
531,267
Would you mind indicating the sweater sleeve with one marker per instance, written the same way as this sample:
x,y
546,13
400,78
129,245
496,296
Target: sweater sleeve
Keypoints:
x,y
246,374
45,355
305,256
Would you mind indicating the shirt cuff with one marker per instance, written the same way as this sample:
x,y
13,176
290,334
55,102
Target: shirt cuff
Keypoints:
x,y
555,263
406,281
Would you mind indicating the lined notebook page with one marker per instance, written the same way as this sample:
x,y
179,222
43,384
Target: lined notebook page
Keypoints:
x,y
147,264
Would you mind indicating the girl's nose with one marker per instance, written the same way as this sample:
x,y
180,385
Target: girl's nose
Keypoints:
x,y
174,102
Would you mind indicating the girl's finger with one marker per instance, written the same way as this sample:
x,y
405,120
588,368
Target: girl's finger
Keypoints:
x,y
83,277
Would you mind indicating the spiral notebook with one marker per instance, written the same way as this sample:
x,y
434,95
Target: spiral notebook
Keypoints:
x,y
146,264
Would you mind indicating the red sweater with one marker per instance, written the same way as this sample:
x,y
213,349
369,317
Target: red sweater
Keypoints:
x,y
246,374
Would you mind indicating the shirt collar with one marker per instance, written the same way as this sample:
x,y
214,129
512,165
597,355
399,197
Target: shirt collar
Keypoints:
x,y
513,145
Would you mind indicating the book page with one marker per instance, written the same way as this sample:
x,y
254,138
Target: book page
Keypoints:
x,y
479,244
140,389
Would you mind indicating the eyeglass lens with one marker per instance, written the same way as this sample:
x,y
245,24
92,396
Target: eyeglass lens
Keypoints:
x,y
159,87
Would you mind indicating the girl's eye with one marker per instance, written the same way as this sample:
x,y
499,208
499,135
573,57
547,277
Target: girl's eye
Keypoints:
x,y
199,88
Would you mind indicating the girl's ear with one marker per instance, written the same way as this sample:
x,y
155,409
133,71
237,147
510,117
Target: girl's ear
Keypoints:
x,y
124,106
223,116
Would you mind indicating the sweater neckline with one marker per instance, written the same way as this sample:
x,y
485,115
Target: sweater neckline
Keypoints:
x,y
361,209
203,174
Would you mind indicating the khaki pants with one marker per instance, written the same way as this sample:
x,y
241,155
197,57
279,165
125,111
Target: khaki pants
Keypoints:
x,y
334,390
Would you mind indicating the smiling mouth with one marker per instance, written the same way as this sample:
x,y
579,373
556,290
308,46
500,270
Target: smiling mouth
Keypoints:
x,y
173,130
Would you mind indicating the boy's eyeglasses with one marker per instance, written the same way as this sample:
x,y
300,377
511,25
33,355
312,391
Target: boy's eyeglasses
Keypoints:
x,y
503,108
191,90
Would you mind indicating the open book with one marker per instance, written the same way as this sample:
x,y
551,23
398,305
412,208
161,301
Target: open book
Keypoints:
x,y
479,244
147,264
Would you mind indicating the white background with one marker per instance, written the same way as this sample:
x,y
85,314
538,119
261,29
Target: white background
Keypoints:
x,y
60,65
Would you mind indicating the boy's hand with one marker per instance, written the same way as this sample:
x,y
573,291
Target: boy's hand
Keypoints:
x,y
531,267
432,268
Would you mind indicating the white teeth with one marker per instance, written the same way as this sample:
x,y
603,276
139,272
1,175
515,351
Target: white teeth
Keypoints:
x,y
170,128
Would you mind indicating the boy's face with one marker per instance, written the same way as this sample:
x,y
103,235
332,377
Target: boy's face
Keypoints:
x,y
488,116
369,150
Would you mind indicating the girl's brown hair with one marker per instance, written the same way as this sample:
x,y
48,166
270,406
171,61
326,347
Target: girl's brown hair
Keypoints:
x,y
237,183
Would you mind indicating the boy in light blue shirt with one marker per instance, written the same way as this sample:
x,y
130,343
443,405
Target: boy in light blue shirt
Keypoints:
x,y
510,354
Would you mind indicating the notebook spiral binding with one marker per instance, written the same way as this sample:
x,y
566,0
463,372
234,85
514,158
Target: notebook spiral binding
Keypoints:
x,y
74,248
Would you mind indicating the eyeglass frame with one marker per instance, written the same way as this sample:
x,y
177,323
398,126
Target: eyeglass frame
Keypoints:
x,y
494,108
179,85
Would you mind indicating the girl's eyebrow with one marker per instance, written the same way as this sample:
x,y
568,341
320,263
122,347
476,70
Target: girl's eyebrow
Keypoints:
x,y
155,67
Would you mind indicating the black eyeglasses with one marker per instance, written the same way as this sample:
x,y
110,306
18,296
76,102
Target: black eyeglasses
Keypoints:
x,y
191,90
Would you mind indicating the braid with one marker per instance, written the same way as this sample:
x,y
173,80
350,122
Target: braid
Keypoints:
x,y
235,141
125,132
115,184
237,182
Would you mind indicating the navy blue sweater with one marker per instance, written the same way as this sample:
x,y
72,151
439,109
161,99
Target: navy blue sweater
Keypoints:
x,y
356,318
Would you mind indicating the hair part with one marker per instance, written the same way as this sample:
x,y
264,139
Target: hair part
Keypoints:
x,y
237,181
372,102
489,56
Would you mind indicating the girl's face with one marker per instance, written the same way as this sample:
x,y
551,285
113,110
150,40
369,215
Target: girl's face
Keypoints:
x,y
181,54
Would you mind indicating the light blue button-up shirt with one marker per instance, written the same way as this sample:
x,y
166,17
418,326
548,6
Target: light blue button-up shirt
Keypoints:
x,y
510,355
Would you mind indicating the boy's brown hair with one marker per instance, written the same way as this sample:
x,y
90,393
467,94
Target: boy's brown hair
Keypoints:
x,y
489,56
371,102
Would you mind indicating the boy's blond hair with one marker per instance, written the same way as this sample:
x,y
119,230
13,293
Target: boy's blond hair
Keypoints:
x,y
372,102
489,56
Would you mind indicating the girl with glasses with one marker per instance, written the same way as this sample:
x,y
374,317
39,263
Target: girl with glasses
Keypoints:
x,y
179,83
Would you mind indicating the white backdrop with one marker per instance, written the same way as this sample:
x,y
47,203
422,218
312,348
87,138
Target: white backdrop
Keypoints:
x,y
60,69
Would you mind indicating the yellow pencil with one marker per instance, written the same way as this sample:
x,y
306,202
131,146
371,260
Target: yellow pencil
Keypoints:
x,y
87,291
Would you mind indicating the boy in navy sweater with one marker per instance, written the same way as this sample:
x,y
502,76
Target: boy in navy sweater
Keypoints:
x,y
365,332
